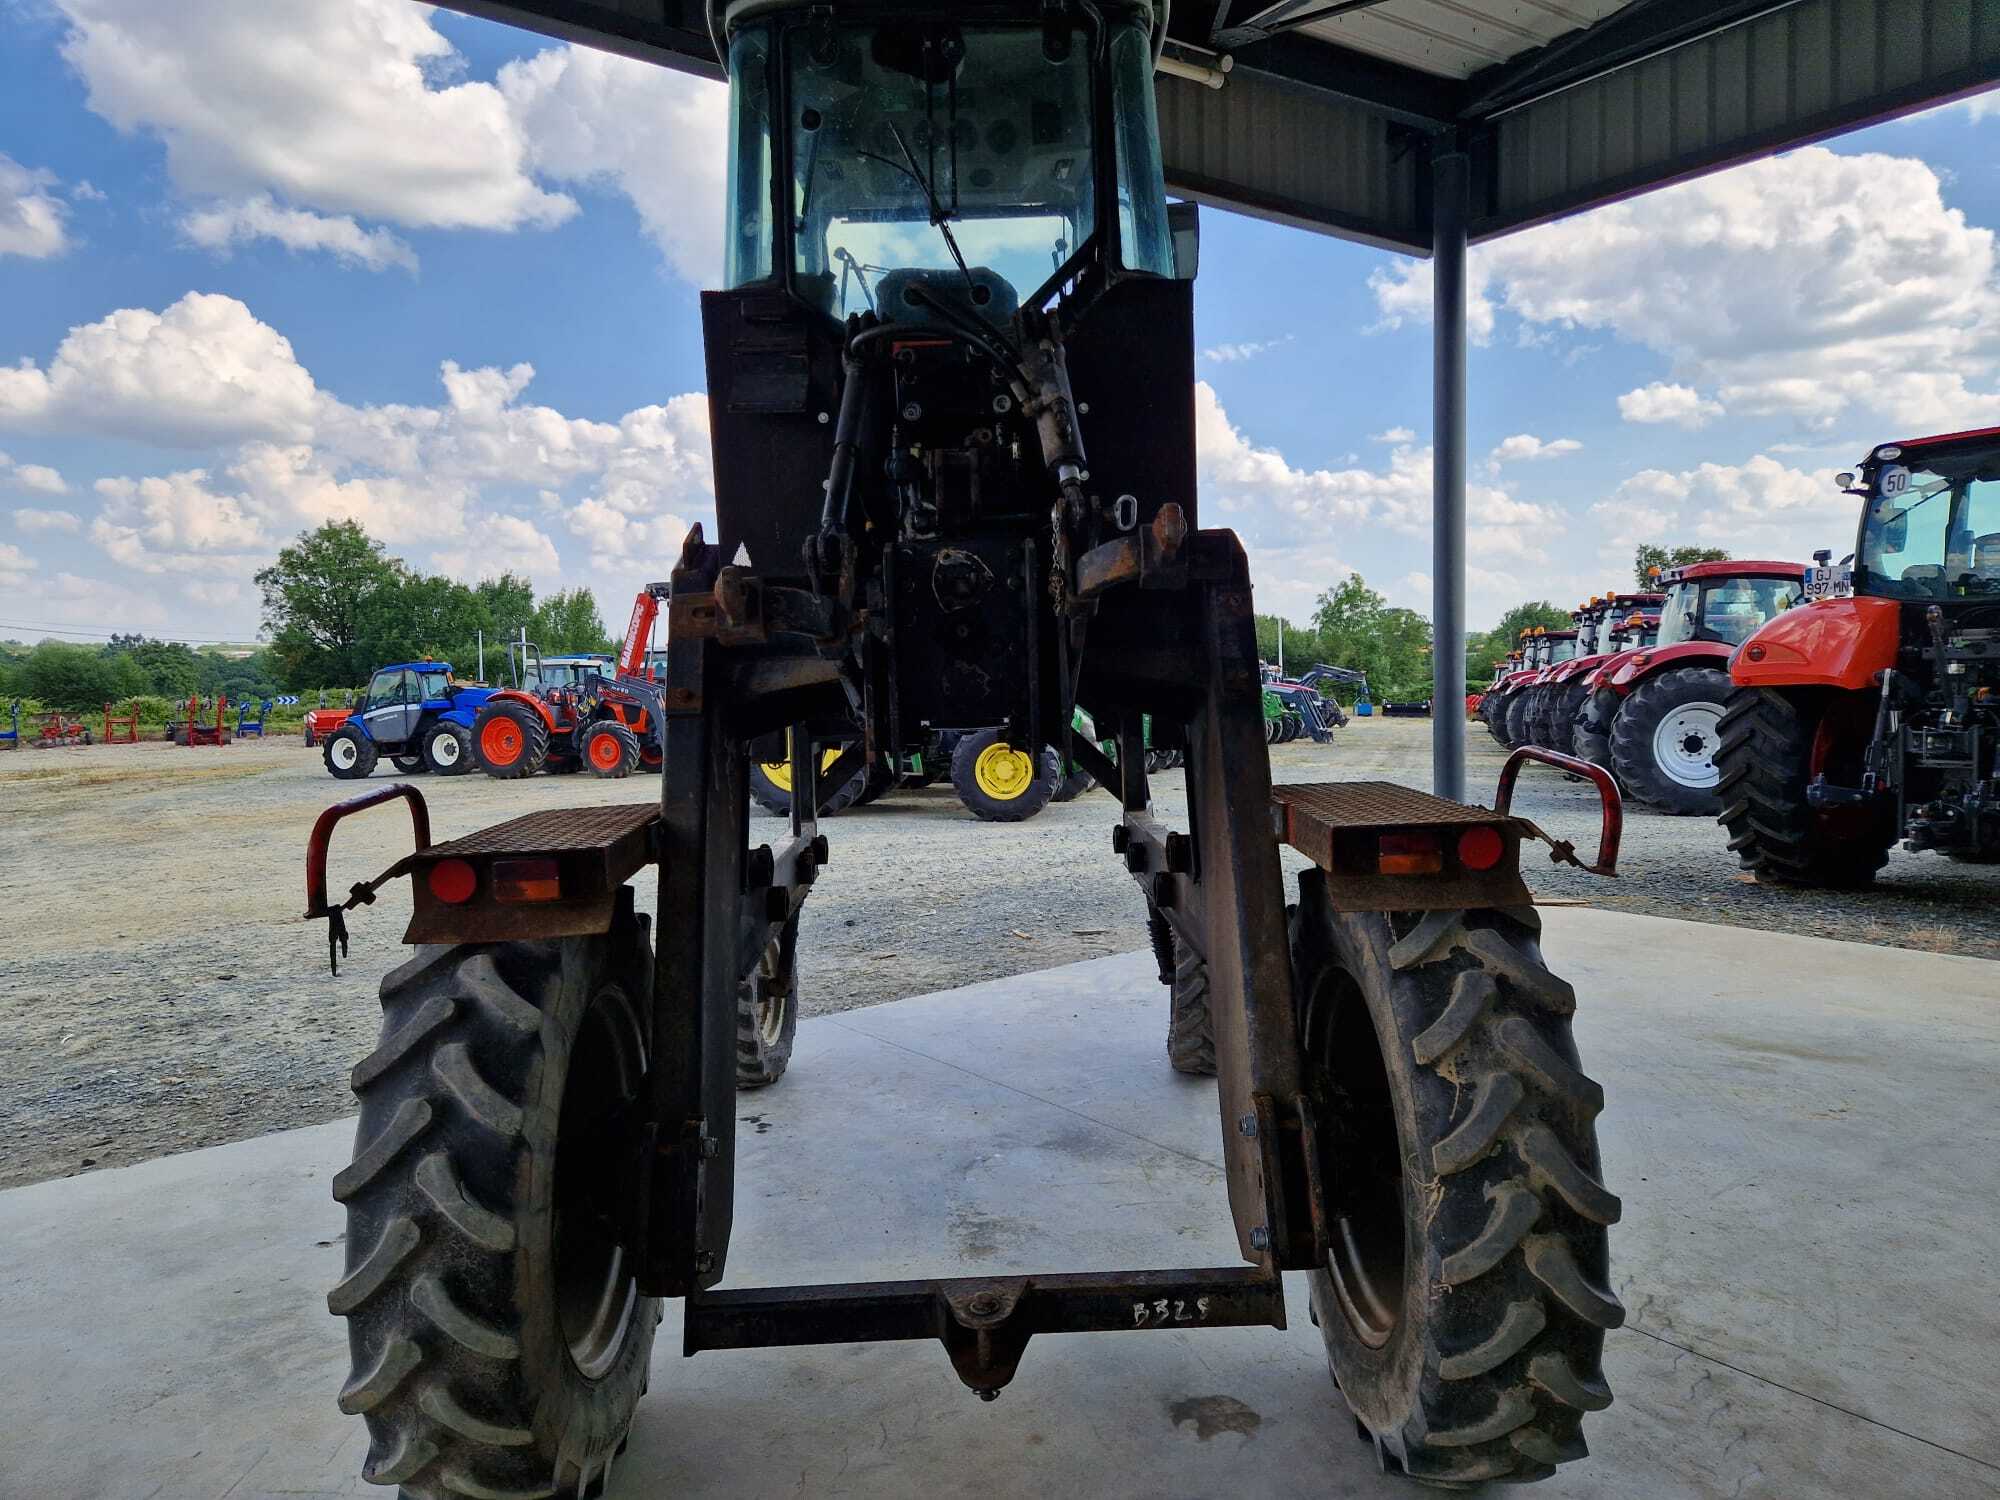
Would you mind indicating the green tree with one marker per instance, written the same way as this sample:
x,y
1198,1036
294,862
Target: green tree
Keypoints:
x,y
316,596
1483,651
568,621
508,607
77,678
420,614
1303,648
169,669
1650,556
1358,628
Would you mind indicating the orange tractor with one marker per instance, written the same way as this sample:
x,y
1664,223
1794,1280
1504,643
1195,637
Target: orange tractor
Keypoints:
x,y
573,713
1872,716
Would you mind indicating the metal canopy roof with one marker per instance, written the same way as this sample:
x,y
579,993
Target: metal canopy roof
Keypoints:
x,y
1329,108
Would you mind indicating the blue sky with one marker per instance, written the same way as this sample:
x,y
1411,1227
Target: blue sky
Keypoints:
x,y
268,261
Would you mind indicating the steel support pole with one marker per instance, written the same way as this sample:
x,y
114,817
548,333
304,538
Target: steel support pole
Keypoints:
x,y
1450,208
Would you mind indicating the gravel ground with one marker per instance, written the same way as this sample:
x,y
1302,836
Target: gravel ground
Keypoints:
x,y
158,991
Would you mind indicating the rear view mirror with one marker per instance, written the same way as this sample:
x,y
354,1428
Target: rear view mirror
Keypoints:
x,y
1184,224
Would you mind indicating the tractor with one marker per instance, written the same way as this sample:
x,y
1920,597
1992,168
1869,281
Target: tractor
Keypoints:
x,y
415,713
951,380
1663,704
1564,647
1590,730
1856,721
1506,719
569,713
1598,620
1524,695
1491,700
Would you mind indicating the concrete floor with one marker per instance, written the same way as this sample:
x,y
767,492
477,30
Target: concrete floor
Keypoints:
x,y
1803,1132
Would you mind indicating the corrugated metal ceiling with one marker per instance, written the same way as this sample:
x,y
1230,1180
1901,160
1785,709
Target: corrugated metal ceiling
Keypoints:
x,y
1456,38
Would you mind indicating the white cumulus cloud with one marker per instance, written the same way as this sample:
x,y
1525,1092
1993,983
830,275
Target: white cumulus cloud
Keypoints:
x,y
32,218
227,225
345,108
204,371
658,136
1525,447
1815,286
1662,401
34,521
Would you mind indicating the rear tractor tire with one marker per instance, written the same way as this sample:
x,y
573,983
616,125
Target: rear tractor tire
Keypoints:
x,y
610,750
1664,739
1565,702
999,784
499,1339
1589,735
771,786
1074,786
1465,1301
510,741
1190,1023
767,1011
1515,733
1773,745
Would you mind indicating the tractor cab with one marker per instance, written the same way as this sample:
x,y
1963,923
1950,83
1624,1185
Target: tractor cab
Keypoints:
x,y
547,674
1930,523
1726,602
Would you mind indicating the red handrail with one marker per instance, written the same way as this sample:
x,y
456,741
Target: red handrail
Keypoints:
x,y
322,836
1607,791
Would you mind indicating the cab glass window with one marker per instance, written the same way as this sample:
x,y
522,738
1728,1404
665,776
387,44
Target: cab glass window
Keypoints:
x,y
436,685
911,138
1144,240
747,235
385,688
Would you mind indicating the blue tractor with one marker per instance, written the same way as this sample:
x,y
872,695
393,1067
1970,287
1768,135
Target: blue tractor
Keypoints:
x,y
416,714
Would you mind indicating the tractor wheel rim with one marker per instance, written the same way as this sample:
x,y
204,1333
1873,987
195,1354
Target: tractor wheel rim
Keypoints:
x,y
1684,744
606,752
772,1002
779,772
444,749
1002,772
596,1296
345,753
500,740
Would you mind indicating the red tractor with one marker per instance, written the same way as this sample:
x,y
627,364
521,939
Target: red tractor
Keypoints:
x,y
1600,623
1664,709
572,713
1520,666
1864,718
1590,729
1553,647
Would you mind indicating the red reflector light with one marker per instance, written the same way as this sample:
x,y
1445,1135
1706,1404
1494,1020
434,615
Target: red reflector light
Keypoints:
x,y
453,881
1480,848
1409,854
526,880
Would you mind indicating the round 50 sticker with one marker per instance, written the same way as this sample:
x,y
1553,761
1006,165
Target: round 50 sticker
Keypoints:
x,y
1893,480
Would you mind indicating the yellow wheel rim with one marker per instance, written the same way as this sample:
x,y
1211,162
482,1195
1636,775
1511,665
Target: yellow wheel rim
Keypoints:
x,y
779,772
1002,772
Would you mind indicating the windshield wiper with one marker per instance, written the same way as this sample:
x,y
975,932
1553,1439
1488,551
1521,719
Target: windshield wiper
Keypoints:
x,y
940,216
